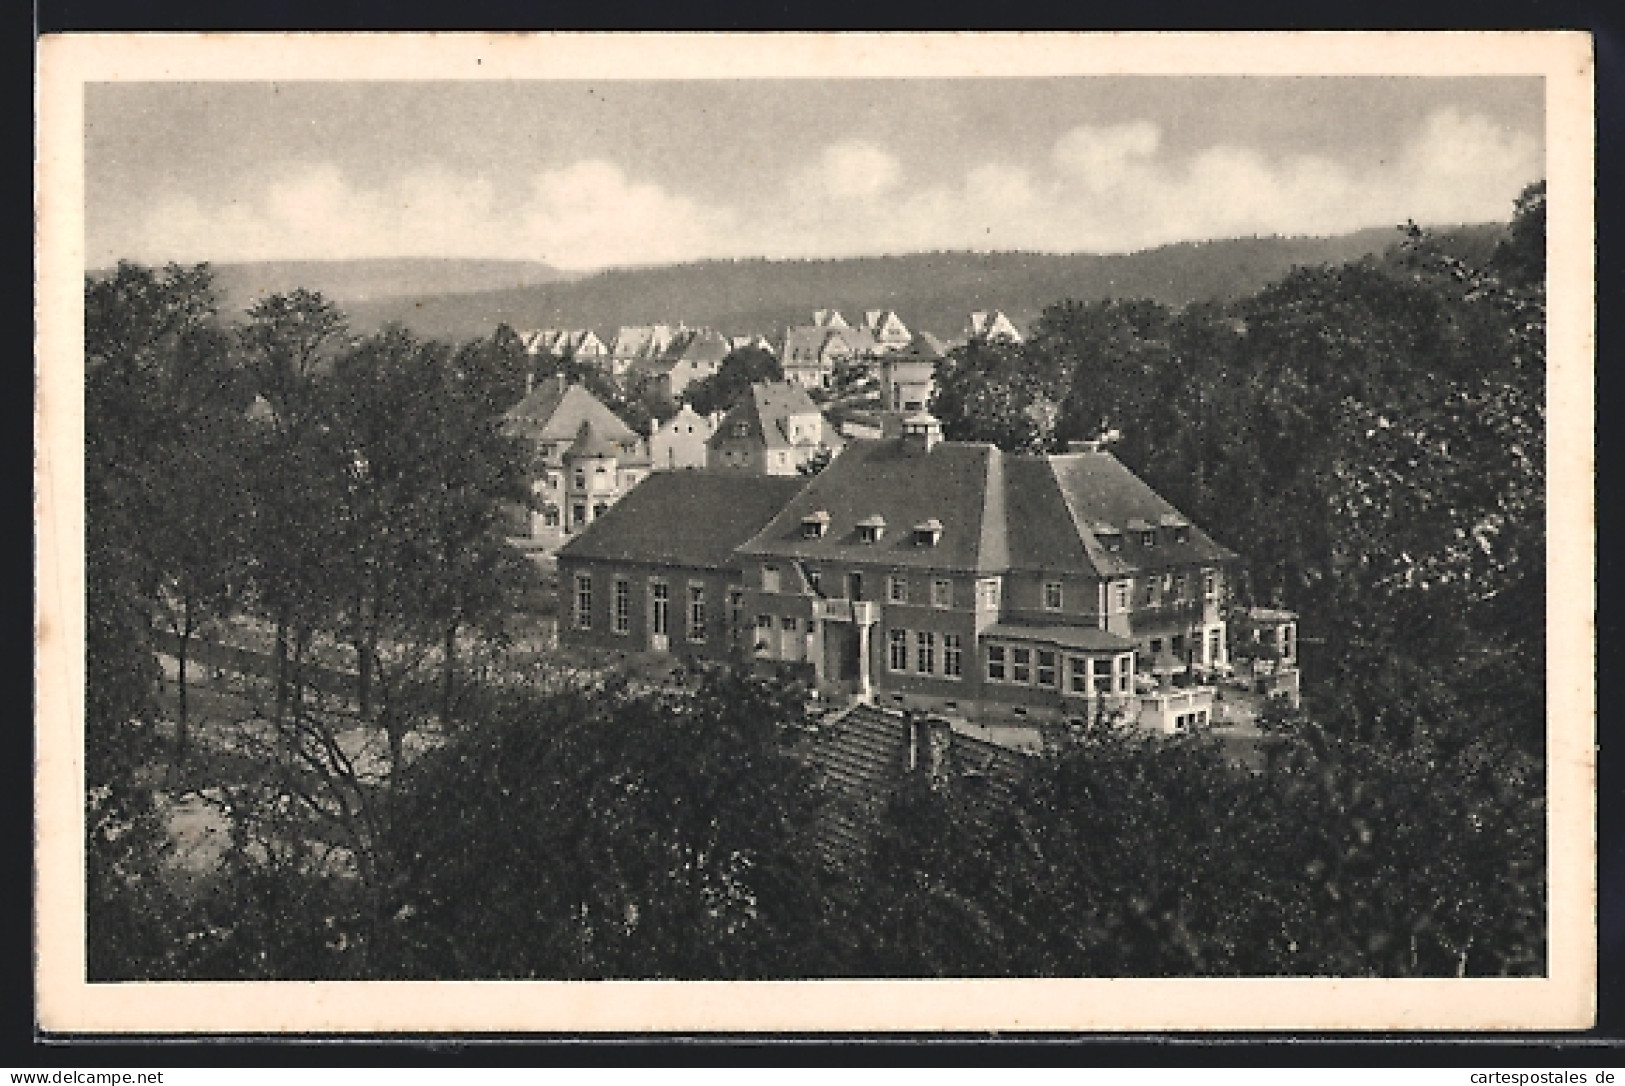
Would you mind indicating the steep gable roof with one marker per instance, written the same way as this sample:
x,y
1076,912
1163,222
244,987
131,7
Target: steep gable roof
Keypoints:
x,y
957,483
765,410
550,412
688,519
589,442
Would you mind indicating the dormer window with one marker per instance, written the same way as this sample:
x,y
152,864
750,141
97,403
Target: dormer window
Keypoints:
x,y
928,533
1145,533
871,529
1178,527
1109,535
814,525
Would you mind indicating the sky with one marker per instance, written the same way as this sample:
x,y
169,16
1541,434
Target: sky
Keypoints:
x,y
589,174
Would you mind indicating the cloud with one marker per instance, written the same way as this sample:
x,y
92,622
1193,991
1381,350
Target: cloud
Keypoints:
x,y
590,215
1104,158
856,171
1103,188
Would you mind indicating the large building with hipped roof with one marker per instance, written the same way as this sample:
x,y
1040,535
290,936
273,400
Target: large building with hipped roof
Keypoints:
x,y
947,576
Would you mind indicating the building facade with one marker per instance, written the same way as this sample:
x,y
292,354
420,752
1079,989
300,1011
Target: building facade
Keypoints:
x,y
680,442
949,576
583,459
774,429
657,572
908,377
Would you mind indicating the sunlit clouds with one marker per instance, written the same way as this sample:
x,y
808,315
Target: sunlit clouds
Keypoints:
x,y
1096,187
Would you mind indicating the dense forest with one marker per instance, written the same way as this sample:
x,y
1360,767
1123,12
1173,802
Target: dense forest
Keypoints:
x,y
934,292
1370,435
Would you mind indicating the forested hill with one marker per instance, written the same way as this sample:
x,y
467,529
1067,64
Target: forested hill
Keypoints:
x,y
352,282
931,291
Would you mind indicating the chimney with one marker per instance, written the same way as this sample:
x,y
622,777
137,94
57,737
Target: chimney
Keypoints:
x,y
929,739
1083,446
560,381
921,434
530,381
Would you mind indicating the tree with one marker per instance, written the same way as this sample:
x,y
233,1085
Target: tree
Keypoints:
x,y
614,833
743,367
986,391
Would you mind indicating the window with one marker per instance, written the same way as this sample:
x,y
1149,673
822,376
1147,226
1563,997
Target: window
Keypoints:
x,y
696,612
770,578
1052,595
995,663
942,593
898,644
1125,668
814,525
1181,586
1214,641
1156,646
953,656
1120,592
1148,539
1103,676
925,652
897,589
599,469
1021,670
550,516
599,509
814,579
1077,674
1150,592
659,608
789,624
871,529
579,511
736,608
623,606
1113,542
1046,667
583,601
1176,645
1210,585
1182,534
987,594
581,479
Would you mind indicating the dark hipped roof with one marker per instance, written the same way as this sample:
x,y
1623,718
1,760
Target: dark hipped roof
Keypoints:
x,y
551,413
1093,490
960,484
691,519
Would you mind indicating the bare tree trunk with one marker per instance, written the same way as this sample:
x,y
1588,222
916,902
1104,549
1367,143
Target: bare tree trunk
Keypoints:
x,y
181,655
449,671
281,665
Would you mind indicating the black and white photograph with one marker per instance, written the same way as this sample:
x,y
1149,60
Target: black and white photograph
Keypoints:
x,y
975,531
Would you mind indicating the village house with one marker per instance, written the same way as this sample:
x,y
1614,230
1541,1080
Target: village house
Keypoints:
x,y
583,458
638,343
774,429
952,578
887,328
908,377
578,343
658,572
680,441
692,354
989,327
809,354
